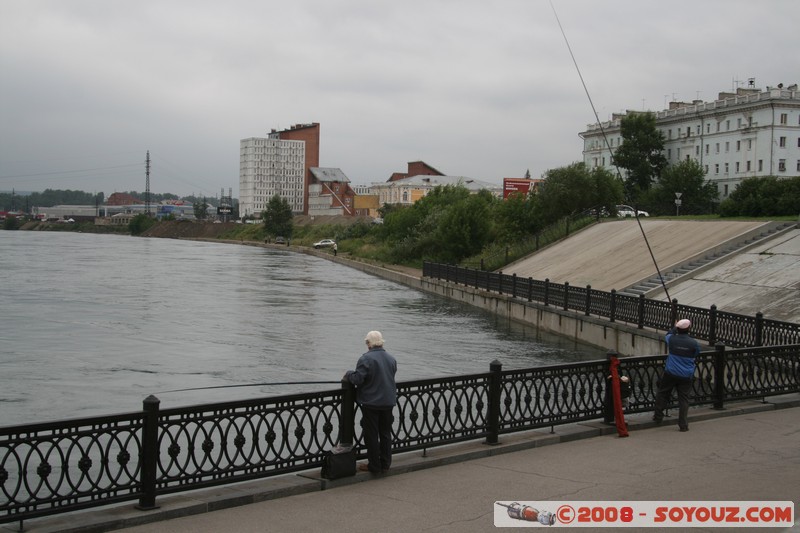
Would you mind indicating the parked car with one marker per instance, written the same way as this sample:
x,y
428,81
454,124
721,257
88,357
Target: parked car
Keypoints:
x,y
628,211
280,240
324,243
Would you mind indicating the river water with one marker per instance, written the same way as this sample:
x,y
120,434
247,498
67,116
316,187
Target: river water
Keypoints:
x,y
93,324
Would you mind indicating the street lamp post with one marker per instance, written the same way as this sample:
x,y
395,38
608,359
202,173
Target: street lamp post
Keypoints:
x,y
678,203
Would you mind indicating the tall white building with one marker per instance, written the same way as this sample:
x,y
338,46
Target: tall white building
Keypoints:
x,y
270,166
749,133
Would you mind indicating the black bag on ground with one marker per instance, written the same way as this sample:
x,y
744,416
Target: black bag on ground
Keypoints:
x,y
339,463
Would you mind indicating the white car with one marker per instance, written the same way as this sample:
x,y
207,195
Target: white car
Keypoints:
x,y
324,243
627,211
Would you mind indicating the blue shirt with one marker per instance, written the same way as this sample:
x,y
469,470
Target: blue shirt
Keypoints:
x,y
682,350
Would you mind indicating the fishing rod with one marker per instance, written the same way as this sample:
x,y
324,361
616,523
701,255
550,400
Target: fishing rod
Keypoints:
x,y
265,384
608,146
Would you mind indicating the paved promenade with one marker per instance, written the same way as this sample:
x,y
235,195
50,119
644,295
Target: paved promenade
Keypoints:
x,y
750,451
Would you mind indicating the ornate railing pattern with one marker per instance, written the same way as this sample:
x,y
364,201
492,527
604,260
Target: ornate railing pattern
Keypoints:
x,y
57,467
711,325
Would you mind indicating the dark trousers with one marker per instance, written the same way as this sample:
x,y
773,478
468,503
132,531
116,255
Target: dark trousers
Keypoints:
x,y
664,396
377,425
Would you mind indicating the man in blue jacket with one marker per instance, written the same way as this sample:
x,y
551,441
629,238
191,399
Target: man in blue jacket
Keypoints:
x,y
376,394
678,373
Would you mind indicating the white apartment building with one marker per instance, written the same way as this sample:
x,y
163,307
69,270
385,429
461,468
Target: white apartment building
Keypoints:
x,y
270,166
749,133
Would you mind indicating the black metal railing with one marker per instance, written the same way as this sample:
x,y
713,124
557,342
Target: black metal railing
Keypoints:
x,y
710,325
57,467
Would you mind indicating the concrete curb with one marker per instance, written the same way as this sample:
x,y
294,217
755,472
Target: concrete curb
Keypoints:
x,y
197,502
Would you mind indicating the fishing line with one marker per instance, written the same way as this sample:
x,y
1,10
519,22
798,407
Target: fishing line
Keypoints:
x,y
270,383
608,146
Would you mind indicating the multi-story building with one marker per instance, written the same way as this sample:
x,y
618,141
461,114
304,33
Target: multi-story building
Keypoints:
x,y
329,193
749,133
405,188
278,164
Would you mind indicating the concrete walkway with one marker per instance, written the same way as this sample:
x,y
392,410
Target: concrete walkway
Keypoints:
x,y
750,451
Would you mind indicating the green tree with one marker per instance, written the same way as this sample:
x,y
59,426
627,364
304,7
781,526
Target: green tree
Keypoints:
x,y
698,196
517,217
575,188
10,223
140,223
640,154
277,217
760,197
200,208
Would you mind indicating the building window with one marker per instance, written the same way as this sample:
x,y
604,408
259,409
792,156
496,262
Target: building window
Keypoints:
x,y
727,147
708,128
698,129
707,149
739,123
749,144
782,142
760,165
669,134
727,125
706,169
718,123
798,165
688,131
738,146
716,168
716,149
669,153
737,167
748,166
781,165
727,168
697,149
784,118
726,190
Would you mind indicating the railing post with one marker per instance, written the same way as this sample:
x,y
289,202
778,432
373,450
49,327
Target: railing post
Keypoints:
x,y
477,278
759,329
566,295
514,285
719,376
640,323
530,289
149,459
673,313
612,307
546,291
608,398
493,409
347,422
588,299
500,282
712,325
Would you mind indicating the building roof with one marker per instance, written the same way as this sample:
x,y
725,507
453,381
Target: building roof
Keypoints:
x,y
329,174
433,181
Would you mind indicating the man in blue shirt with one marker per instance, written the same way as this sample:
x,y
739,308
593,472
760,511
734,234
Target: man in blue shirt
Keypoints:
x,y
376,394
678,373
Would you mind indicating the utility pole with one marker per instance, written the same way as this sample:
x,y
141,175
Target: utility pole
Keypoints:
x,y
147,184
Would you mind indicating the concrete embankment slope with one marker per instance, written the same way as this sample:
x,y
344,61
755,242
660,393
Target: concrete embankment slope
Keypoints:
x,y
614,255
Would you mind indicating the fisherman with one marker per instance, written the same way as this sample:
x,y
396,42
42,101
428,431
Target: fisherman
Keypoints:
x,y
376,393
682,351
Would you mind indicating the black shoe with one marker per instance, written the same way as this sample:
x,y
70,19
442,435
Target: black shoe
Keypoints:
x,y
657,420
684,429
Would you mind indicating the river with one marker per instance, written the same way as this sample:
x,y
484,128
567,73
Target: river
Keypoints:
x,y
93,324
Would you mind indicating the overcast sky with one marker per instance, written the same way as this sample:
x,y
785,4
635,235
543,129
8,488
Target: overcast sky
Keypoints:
x,y
480,89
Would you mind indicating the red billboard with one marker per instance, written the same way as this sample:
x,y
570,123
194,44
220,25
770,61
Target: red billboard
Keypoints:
x,y
518,186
